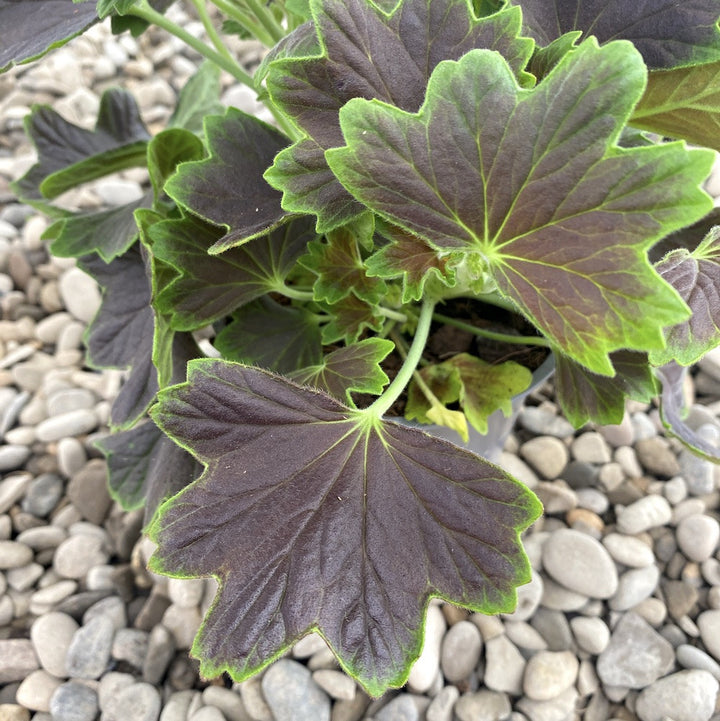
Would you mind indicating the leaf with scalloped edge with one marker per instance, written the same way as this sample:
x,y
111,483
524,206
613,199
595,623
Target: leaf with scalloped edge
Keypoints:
x,y
315,517
354,368
199,97
210,287
349,318
413,259
534,181
28,29
673,411
69,155
696,277
445,385
668,33
228,188
369,53
278,337
682,103
165,152
586,396
121,333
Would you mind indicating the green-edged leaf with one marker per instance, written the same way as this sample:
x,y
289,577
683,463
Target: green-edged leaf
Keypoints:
x,y
145,467
696,277
273,336
121,334
585,396
353,368
69,155
109,233
315,517
668,33
545,59
369,53
534,181
199,97
29,28
349,318
413,259
166,151
227,188
683,103
445,385
340,268
673,410
210,287
301,42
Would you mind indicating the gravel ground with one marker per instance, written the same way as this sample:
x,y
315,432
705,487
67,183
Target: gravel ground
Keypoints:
x,y
621,620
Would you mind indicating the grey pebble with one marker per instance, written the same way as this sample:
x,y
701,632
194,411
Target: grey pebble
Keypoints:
x,y
74,701
483,705
460,651
43,494
51,636
629,550
292,695
504,666
73,423
13,457
697,536
12,490
441,707
54,593
88,491
252,696
335,683
693,657
80,294
553,626
682,696
591,447
137,701
546,454
178,705
656,457
110,686
645,513
17,659
524,636
697,473
549,673
14,555
559,598
23,578
636,656
580,563
560,707
71,456
76,555
160,652
131,645
67,400
592,634
634,586
186,592
643,427
229,702
89,652
529,596
401,708
207,713
709,624
544,422
111,608
36,690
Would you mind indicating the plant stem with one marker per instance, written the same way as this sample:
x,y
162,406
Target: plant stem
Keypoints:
x,y
290,292
383,404
392,314
144,11
210,30
504,337
246,20
267,19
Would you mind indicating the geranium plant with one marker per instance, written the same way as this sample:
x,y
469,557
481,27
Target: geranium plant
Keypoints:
x,y
518,171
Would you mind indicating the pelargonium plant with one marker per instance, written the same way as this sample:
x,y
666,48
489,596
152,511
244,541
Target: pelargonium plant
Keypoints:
x,y
519,173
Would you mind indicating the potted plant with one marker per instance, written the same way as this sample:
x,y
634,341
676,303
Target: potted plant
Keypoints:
x,y
498,170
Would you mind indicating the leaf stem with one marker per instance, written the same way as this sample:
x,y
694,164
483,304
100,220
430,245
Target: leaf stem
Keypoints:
x,y
210,30
392,314
383,404
246,20
144,11
267,20
503,337
295,294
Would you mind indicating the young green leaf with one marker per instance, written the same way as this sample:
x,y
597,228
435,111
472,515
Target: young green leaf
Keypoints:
x,y
29,29
682,103
696,277
352,368
227,188
534,181
586,396
165,152
668,33
210,287
297,516
369,53
278,337
349,317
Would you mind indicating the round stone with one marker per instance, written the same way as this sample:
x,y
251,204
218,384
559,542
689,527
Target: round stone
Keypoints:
x,y
89,652
642,515
74,701
460,651
14,555
335,683
292,695
549,673
629,550
80,294
698,536
591,447
542,421
656,457
426,668
73,423
51,635
529,596
229,702
683,696
36,690
635,586
137,701
695,658
708,622
591,633
13,456
43,494
76,555
546,454
580,563
482,705
160,652
504,666
401,708
186,592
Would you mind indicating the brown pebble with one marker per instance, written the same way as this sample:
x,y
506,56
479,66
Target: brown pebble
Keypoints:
x,y
586,517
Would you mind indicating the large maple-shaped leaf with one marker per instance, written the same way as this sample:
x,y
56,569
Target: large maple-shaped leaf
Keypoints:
x,y
586,396
29,28
315,517
696,276
69,155
668,33
210,287
228,188
121,334
534,181
683,103
369,53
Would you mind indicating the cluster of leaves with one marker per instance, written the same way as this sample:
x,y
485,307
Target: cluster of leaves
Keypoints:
x,y
526,154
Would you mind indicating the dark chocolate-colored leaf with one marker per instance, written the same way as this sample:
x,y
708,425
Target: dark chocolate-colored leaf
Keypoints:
x,y
316,517
228,188
682,103
29,28
586,396
199,97
109,233
349,317
369,53
352,368
696,277
668,33
533,182
673,410
69,155
266,334
145,467
210,287
121,334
